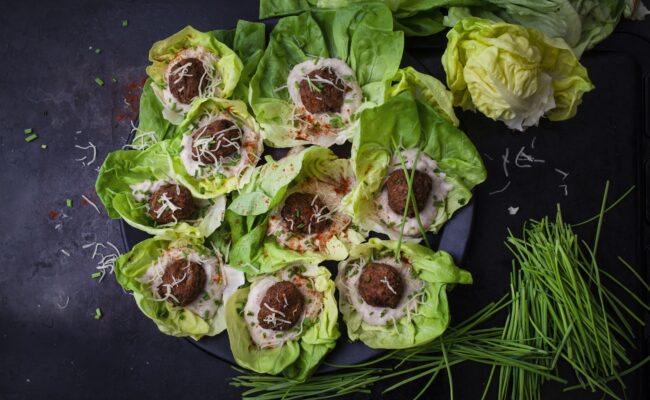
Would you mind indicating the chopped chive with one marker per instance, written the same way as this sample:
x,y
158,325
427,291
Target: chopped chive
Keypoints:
x,y
125,23
98,313
96,275
31,137
114,80
28,131
98,50
99,81
68,202
43,146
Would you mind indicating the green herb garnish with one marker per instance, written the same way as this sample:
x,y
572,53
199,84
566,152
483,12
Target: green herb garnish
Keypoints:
x,y
31,138
98,313
99,81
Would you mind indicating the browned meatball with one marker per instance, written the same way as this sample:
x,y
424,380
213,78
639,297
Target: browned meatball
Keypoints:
x,y
304,213
221,138
187,79
281,307
398,190
184,280
318,95
380,285
161,211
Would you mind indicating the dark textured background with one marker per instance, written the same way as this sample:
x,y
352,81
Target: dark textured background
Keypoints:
x,y
46,83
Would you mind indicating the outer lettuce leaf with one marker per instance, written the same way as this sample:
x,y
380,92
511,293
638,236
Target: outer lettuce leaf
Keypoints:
x,y
361,36
513,74
123,168
215,185
414,17
581,23
411,123
248,40
296,359
162,52
436,269
247,216
426,89
171,320
152,127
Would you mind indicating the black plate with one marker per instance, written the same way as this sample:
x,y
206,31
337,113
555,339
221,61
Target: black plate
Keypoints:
x,y
453,239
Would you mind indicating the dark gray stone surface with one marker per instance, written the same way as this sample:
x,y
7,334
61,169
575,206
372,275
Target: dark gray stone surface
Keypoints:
x,y
48,351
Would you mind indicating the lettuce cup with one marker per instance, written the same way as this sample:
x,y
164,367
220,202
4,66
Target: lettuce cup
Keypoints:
x,y
394,295
191,65
219,148
414,169
141,188
291,212
285,322
319,70
181,285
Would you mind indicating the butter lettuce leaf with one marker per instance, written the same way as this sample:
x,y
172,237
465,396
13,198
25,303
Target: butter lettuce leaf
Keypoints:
x,y
410,123
439,274
170,319
361,36
214,185
123,168
295,359
256,252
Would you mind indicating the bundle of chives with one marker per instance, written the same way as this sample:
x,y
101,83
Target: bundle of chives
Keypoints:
x,y
561,305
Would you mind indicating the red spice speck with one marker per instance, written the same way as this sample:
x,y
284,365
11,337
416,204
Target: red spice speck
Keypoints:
x,y
52,215
343,187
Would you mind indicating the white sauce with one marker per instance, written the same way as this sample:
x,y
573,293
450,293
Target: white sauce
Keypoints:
x,y
266,338
389,218
348,279
327,193
352,98
249,152
221,280
174,110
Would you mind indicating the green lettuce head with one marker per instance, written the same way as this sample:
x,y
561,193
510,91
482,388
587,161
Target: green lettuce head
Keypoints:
x,y
513,74
389,304
289,212
219,149
129,180
394,137
309,332
163,276
189,65
319,69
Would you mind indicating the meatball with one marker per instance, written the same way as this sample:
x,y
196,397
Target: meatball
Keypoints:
x,y
281,307
398,190
380,285
187,79
171,203
304,213
318,95
221,138
184,280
